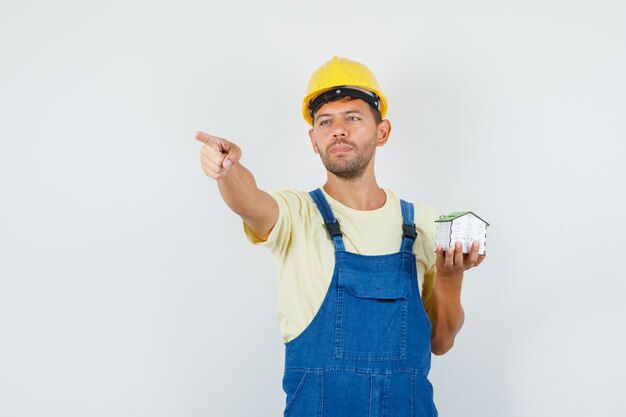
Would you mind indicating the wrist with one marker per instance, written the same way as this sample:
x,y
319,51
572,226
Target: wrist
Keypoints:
x,y
449,280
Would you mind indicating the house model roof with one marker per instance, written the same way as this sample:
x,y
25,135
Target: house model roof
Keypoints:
x,y
456,215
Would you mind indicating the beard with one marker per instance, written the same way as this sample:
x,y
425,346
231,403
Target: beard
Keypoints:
x,y
349,167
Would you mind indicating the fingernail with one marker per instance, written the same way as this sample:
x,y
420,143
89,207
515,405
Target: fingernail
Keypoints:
x,y
227,164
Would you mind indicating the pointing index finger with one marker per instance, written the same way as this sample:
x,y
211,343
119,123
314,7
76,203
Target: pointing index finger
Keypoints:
x,y
204,137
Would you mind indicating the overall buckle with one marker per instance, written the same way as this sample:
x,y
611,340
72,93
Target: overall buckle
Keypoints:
x,y
409,231
333,228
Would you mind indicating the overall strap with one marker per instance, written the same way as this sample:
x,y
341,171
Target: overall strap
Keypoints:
x,y
332,225
409,233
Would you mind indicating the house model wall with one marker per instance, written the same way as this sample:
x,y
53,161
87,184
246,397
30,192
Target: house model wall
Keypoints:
x,y
464,227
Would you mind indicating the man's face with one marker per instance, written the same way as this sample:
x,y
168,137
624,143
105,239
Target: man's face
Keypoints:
x,y
345,135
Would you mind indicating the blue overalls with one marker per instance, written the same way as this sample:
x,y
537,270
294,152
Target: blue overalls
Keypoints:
x,y
367,351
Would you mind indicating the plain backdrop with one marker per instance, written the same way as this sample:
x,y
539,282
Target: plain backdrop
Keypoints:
x,y
127,287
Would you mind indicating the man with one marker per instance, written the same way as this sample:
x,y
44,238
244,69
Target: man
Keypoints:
x,y
352,260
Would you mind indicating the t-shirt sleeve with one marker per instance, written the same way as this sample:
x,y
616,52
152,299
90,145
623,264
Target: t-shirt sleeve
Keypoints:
x,y
289,203
429,285
425,217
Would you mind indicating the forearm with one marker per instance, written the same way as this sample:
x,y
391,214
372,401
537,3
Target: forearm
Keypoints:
x,y
240,192
220,161
445,312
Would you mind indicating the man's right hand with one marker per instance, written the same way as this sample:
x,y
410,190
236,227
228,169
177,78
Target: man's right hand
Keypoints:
x,y
217,155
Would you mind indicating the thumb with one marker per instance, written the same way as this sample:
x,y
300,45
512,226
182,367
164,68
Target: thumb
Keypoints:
x,y
233,156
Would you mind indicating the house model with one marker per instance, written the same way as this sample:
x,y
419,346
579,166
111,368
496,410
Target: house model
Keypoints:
x,y
464,227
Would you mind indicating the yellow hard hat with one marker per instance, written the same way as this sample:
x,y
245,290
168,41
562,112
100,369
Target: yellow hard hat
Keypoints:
x,y
352,76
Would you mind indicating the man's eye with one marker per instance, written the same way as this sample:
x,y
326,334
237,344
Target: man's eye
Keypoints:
x,y
352,118
324,122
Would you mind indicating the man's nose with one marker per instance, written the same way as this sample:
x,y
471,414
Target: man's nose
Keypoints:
x,y
340,130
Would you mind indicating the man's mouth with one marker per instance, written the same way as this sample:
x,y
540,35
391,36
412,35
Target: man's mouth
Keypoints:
x,y
340,148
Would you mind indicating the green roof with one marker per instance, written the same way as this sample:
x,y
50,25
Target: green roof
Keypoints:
x,y
455,215
451,216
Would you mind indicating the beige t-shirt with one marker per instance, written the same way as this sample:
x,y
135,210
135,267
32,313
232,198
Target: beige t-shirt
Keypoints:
x,y
304,253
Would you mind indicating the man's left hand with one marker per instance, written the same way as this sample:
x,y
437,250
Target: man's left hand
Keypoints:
x,y
453,262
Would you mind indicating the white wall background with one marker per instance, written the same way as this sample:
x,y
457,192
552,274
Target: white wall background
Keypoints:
x,y
126,286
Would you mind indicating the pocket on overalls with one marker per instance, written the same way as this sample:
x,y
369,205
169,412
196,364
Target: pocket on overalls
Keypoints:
x,y
303,393
371,316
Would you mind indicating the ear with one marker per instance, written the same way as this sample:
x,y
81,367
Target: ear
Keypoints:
x,y
313,142
383,131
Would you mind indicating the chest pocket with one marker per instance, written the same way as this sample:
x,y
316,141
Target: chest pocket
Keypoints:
x,y
371,315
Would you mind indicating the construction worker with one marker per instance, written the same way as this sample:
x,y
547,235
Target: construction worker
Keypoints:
x,y
361,283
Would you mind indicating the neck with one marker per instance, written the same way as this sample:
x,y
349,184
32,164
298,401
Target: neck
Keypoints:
x,y
361,193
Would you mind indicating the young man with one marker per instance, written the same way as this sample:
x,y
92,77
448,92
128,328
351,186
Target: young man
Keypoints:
x,y
364,295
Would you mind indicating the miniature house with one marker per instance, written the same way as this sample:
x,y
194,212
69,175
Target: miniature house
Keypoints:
x,y
464,227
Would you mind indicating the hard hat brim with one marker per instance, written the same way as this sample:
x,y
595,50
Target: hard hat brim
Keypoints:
x,y
376,100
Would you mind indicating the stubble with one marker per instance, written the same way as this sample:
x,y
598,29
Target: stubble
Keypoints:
x,y
349,167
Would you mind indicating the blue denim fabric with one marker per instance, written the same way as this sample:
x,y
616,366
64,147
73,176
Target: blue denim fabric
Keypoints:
x,y
367,351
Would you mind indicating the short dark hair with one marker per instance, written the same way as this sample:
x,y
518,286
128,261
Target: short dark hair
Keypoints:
x,y
375,112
